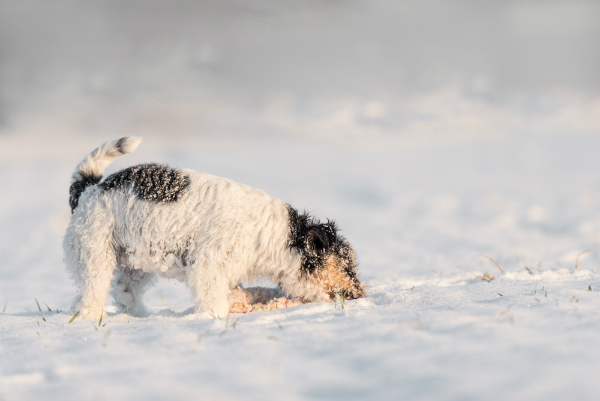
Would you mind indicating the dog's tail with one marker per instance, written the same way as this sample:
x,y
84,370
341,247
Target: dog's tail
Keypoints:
x,y
90,170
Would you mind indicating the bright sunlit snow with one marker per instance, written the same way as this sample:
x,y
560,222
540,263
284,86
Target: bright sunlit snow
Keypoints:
x,y
442,137
428,330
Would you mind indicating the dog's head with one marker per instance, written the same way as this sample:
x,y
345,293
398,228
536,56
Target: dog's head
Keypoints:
x,y
326,258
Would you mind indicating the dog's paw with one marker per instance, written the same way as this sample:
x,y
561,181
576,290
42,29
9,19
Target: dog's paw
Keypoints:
x,y
124,299
138,310
215,311
90,313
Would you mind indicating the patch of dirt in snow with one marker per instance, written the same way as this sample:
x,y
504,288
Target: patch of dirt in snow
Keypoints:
x,y
253,299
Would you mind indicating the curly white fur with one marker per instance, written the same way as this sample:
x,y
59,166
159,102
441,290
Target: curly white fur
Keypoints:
x,y
218,233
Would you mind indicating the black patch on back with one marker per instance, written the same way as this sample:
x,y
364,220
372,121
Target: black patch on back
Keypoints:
x,y
150,182
312,239
78,187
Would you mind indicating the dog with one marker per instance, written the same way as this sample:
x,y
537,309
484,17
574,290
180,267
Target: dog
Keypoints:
x,y
207,231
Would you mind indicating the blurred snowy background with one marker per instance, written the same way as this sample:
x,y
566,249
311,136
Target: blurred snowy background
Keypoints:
x,y
432,131
338,72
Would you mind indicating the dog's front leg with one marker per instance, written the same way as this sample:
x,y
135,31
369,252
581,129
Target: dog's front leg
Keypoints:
x,y
210,292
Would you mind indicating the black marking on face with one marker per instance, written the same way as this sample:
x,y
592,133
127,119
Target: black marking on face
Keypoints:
x,y
150,182
316,241
79,186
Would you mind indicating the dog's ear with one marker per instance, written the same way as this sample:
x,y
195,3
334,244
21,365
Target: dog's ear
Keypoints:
x,y
317,241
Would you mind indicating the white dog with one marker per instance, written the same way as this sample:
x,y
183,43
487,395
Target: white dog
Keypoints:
x,y
206,231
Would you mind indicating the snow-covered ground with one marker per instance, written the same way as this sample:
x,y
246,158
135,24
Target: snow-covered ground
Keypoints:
x,y
428,330
432,132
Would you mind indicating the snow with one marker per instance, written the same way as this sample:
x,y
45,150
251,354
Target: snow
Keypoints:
x,y
432,132
428,330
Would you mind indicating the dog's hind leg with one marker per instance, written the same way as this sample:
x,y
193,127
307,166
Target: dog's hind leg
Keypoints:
x,y
128,289
90,258
92,269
